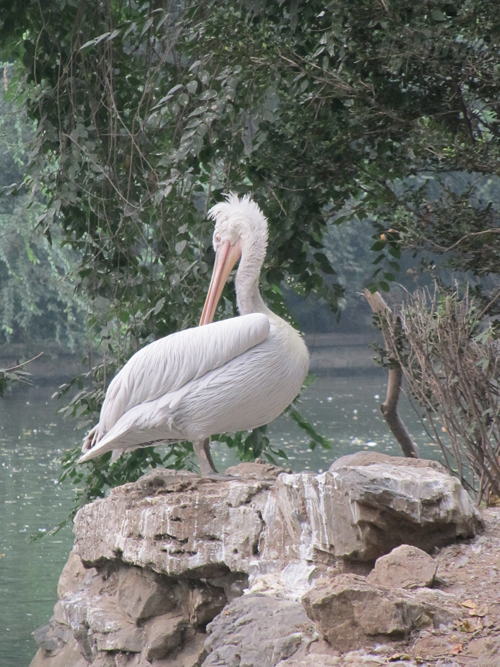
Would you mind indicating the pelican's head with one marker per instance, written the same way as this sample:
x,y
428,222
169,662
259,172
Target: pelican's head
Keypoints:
x,y
240,232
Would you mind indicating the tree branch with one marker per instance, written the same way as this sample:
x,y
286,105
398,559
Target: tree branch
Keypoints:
x,y
13,368
491,230
389,408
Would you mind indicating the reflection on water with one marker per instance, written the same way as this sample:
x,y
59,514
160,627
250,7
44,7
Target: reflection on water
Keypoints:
x,y
33,438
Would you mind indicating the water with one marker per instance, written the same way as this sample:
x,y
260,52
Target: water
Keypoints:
x,y
33,439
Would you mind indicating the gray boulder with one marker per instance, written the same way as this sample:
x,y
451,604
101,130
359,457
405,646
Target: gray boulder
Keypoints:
x,y
175,523
119,610
404,501
257,630
161,562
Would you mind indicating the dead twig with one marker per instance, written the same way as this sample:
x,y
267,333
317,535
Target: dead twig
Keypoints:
x,y
24,363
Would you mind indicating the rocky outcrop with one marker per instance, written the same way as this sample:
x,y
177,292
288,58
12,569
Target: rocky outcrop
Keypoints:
x,y
262,569
393,501
118,609
175,523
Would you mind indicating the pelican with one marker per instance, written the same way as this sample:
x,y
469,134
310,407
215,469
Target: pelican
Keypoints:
x,y
220,377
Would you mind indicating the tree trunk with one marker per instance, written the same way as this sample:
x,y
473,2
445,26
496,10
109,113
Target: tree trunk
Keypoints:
x,y
389,408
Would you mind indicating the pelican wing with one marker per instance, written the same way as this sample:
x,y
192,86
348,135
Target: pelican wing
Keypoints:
x,y
169,363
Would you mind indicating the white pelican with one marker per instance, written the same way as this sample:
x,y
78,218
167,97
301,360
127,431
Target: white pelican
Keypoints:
x,y
223,377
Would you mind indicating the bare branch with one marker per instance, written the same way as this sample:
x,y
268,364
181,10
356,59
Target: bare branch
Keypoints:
x,y
389,408
24,363
491,230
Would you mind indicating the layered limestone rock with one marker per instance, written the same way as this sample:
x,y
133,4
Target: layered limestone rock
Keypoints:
x,y
160,563
175,523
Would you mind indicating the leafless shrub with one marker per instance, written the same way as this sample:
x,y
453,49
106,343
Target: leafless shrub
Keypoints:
x,y
451,365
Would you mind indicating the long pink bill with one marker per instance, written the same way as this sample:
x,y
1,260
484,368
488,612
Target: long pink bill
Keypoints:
x,y
226,257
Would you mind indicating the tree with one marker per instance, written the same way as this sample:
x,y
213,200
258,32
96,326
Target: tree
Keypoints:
x,y
326,111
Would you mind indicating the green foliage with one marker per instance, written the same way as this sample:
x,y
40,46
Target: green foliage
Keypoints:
x,y
252,445
37,301
9,376
316,438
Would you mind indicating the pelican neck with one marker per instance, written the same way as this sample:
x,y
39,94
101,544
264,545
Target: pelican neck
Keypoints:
x,y
248,295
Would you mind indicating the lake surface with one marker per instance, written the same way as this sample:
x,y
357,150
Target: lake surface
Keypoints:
x,y
33,439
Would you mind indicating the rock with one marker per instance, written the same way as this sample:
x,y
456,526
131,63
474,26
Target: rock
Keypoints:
x,y
58,614
232,583
68,656
257,630
427,648
290,583
370,458
193,527
176,524
191,654
158,560
286,647
204,602
482,651
295,528
141,594
315,660
128,639
113,631
363,512
52,636
163,636
124,616
99,625
404,567
383,505
256,470
58,646
73,574
348,609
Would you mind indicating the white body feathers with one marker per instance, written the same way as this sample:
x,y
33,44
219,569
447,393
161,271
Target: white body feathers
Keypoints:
x,y
221,378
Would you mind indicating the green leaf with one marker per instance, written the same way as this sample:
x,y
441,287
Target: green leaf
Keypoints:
x,y
395,251
323,263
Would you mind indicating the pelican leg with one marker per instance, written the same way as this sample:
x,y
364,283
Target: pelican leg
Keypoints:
x,y
90,440
205,461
